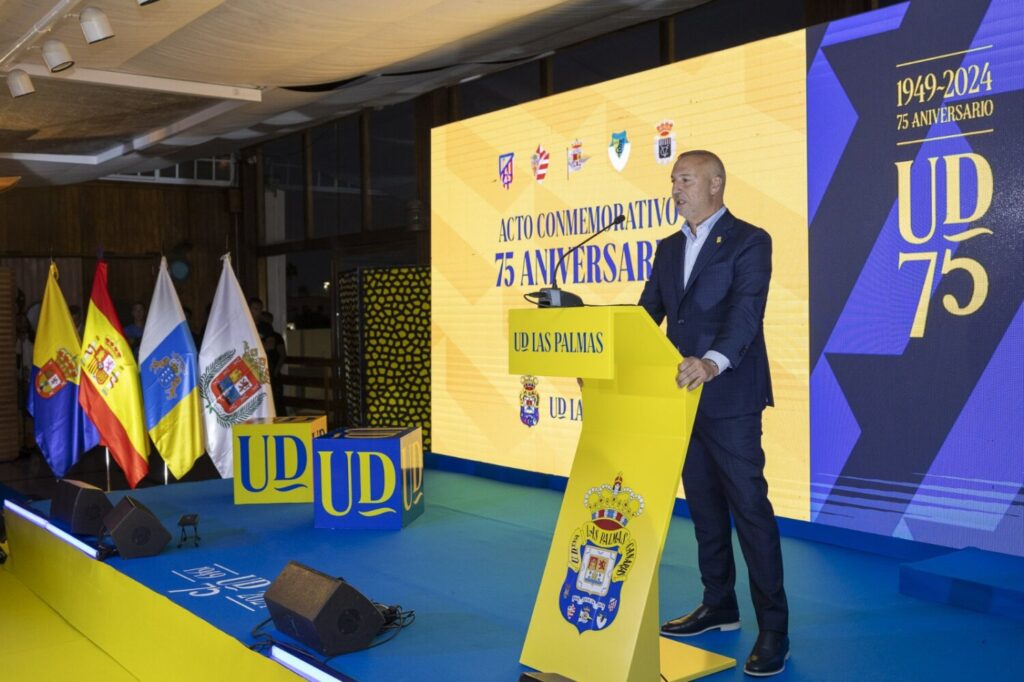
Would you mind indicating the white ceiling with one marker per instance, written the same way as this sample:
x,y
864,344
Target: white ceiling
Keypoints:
x,y
187,78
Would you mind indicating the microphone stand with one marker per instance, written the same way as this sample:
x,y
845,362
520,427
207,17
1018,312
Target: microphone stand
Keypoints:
x,y
553,297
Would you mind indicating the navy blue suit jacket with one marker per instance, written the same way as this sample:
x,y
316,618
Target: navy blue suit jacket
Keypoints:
x,y
721,309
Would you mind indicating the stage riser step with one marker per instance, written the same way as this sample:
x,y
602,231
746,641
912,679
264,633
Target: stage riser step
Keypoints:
x,y
971,579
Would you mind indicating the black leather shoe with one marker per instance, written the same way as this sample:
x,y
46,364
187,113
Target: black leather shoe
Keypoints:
x,y
699,621
768,657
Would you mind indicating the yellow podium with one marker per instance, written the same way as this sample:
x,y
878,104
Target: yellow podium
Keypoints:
x,y
596,614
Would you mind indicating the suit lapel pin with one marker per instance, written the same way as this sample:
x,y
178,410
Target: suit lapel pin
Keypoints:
x,y
718,239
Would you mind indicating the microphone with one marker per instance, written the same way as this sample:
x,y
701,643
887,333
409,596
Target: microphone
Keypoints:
x,y
553,297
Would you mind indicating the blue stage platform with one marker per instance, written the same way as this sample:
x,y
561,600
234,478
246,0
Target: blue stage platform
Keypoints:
x,y
971,579
471,564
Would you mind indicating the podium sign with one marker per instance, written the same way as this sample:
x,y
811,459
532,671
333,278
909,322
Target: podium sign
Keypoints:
x,y
368,478
596,613
272,459
545,345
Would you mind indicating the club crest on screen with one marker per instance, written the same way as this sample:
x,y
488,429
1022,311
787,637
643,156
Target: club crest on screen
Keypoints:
x,y
529,401
539,161
664,143
618,150
601,553
505,169
575,156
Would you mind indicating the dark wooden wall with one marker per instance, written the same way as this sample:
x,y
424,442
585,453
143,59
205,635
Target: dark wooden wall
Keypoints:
x,y
134,224
10,418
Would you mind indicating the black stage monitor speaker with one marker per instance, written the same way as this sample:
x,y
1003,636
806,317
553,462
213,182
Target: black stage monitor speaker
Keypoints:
x,y
80,506
324,613
135,530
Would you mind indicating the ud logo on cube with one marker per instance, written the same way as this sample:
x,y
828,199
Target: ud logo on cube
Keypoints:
x,y
370,478
273,459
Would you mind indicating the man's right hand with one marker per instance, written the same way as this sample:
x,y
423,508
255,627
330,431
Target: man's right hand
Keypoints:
x,y
695,371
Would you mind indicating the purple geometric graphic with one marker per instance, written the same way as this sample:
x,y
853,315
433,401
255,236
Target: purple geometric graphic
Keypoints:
x,y
830,120
834,431
879,313
1005,58
864,25
976,501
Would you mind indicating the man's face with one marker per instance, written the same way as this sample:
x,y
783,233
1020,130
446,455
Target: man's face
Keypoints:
x,y
696,192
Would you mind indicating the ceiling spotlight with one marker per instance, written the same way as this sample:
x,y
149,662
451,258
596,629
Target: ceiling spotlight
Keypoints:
x,y
19,83
95,25
146,2
56,56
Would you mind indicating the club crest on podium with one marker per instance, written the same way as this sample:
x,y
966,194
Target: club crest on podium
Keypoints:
x,y
601,553
529,401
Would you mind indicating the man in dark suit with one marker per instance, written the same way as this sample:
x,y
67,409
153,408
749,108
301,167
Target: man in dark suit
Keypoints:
x,y
710,282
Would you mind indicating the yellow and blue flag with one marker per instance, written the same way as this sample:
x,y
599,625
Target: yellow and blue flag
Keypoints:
x,y
111,394
168,365
63,431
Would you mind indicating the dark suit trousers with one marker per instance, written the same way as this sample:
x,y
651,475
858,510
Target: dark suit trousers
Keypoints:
x,y
724,473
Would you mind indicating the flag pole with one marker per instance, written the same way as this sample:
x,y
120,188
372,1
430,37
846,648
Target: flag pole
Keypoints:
x,y
165,473
107,451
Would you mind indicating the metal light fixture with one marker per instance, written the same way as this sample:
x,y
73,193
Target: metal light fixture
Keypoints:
x,y
56,56
95,25
19,83
146,2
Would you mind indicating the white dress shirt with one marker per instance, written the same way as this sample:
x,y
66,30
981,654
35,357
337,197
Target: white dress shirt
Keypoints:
x,y
694,243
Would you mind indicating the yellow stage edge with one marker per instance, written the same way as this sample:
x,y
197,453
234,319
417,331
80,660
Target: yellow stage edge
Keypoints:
x,y
146,633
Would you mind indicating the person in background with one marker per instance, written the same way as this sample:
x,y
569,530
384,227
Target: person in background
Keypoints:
x,y
23,346
133,330
256,308
77,319
277,355
197,338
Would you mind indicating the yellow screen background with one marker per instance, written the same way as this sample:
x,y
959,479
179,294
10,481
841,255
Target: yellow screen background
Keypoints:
x,y
747,105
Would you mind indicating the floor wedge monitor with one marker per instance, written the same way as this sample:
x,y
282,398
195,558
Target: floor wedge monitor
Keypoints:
x,y
79,506
324,613
135,530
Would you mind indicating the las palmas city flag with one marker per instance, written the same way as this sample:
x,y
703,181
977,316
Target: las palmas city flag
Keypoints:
x,y
110,390
168,366
63,432
234,380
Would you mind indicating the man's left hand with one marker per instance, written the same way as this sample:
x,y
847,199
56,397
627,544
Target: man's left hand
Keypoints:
x,y
695,371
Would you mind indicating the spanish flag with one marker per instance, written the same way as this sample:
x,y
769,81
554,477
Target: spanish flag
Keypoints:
x,y
111,393
63,432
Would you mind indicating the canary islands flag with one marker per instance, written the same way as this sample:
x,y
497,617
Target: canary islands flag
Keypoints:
x,y
110,390
234,380
63,432
167,363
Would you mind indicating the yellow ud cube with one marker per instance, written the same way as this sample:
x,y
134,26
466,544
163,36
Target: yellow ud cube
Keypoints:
x,y
273,459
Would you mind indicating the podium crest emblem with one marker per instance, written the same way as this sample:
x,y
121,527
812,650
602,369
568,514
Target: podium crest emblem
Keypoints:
x,y
601,554
529,401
